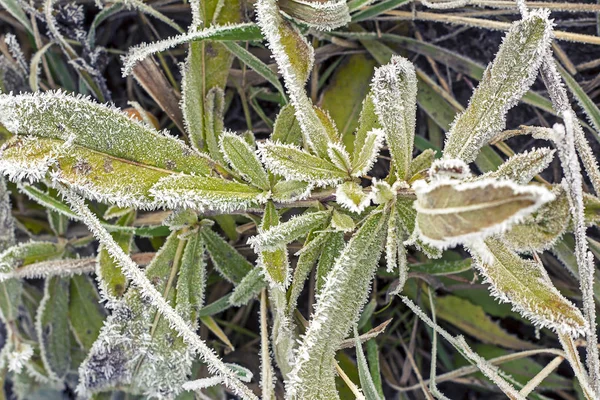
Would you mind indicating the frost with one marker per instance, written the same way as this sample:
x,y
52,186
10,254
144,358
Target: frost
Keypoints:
x,y
351,196
339,156
523,167
243,159
18,358
224,32
504,82
367,156
394,91
451,213
322,15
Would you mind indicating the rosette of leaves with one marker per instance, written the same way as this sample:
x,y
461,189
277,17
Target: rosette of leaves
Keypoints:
x,y
92,151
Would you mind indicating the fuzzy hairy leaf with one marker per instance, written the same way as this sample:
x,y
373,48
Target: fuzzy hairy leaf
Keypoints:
x,y
244,160
286,191
294,57
540,231
337,310
351,196
52,325
199,193
366,156
526,285
394,95
323,15
296,164
274,262
289,231
287,129
449,212
522,167
504,82
228,261
191,279
136,346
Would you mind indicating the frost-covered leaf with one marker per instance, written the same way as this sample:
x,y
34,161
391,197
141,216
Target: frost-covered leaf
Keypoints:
x,y
137,348
407,218
367,154
449,212
7,224
103,153
351,196
366,380
191,279
339,156
522,167
214,107
333,246
244,160
274,262
203,192
289,231
286,191
504,82
367,122
526,285
226,259
112,280
86,315
248,288
342,222
337,310
296,164
394,95
246,31
323,15
420,164
287,129
294,57
19,256
540,230
52,325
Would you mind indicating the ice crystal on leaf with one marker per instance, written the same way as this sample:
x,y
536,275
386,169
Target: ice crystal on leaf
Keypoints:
x,y
505,80
351,196
323,15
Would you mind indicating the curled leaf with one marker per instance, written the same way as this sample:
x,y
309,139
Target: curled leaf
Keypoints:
x,y
323,15
351,195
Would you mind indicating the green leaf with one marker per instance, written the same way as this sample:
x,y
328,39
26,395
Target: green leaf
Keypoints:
x,y
344,96
351,196
472,320
367,122
366,156
286,191
52,324
541,230
86,315
394,96
274,262
228,261
244,160
504,82
442,267
337,310
522,167
287,129
14,8
214,107
112,280
421,164
333,246
287,232
450,212
248,288
317,14
526,285
364,373
191,281
296,164
199,193
342,222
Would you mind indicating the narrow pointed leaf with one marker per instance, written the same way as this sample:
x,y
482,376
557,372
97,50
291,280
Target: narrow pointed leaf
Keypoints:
x,y
337,310
228,261
364,373
86,315
339,156
112,280
334,244
191,280
526,285
366,156
244,160
287,129
449,213
522,167
286,191
289,231
296,164
199,193
504,82
394,95
248,288
274,262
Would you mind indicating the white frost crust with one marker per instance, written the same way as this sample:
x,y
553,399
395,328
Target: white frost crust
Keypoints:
x,y
140,52
481,254
449,168
539,194
18,358
339,156
378,141
343,198
332,14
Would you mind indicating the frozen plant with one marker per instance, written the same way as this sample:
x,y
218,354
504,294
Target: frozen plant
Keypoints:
x,y
68,149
